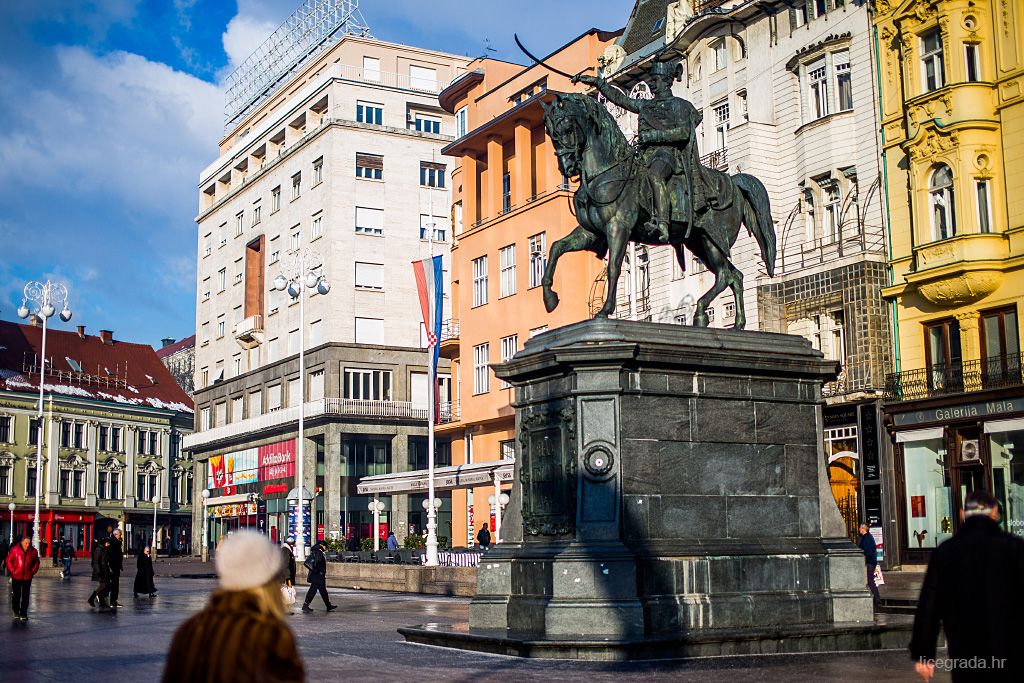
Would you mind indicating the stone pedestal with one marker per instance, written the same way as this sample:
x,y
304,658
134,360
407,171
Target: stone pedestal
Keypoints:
x,y
670,484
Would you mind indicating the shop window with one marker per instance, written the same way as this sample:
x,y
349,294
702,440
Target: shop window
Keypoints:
x,y
1000,344
366,458
940,199
1005,448
928,501
942,341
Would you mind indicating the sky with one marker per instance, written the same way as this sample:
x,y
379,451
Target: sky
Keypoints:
x,y
109,109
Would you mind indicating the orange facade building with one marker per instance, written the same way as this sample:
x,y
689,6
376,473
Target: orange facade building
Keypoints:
x,y
510,203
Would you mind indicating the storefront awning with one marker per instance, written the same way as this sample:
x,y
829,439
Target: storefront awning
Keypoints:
x,y
445,479
225,500
1012,425
919,434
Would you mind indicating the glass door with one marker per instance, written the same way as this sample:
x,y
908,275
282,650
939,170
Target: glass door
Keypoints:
x,y
1006,451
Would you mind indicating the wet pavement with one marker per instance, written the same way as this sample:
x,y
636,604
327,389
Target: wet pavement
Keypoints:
x,y
66,640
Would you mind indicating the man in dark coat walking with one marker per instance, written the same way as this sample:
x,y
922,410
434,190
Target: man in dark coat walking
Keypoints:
x,y
316,563
973,588
116,563
101,573
870,548
483,537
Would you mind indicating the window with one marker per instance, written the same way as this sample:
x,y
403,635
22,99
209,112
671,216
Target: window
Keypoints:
x,y
721,54
800,15
971,67
316,385
481,375
294,393
721,112
931,61
204,419
943,353
30,480
204,377
237,409
369,166
844,86
273,398
457,210
940,195
369,221
371,69
220,326
257,213
316,335
101,485
72,434
431,174
297,185
296,240
507,449
741,98
461,122
817,90
984,208
833,212
509,346
238,271
115,440
275,249
422,78
658,24
239,223
365,457
207,244
236,365
6,478
102,438
223,235
1000,347
272,354
538,330
293,341
71,483
437,224
507,270
367,385
427,124
538,258
255,404
729,310
479,281
222,279
506,193
369,275
318,171
369,331
368,112
820,7
275,199
5,429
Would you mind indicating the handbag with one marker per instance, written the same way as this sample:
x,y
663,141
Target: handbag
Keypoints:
x,y
879,579
288,595
309,564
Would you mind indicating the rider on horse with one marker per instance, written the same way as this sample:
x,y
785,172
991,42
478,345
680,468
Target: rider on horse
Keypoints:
x,y
667,138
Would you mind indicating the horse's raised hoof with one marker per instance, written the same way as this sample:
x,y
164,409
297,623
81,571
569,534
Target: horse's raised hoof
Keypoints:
x,y
600,315
700,320
550,300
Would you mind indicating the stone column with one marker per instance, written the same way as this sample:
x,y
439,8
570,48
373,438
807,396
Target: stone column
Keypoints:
x,y
90,474
332,479
400,503
495,170
131,443
51,461
522,169
471,211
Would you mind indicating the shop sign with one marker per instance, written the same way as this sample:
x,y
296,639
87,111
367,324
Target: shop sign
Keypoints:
x,y
275,488
960,412
252,465
233,510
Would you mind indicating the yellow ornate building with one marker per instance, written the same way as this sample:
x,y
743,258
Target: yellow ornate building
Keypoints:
x,y
951,79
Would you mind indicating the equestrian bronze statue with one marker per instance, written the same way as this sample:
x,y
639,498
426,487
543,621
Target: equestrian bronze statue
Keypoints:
x,y
656,192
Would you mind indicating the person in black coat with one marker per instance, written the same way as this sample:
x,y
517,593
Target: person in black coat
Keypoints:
x,y
144,576
867,544
101,573
483,537
316,563
115,555
288,561
974,589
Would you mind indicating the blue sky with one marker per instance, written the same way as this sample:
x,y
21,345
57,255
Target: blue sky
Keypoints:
x,y
110,108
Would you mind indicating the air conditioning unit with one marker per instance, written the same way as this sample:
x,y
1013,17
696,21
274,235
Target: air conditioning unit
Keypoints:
x,y
970,451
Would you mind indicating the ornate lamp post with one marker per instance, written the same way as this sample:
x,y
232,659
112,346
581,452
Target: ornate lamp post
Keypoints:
x,y
44,297
376,507
205,553
498,507
11,506
156,504
297,271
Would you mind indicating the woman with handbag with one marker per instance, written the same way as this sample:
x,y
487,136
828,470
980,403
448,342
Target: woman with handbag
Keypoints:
x,y
316,564
288,573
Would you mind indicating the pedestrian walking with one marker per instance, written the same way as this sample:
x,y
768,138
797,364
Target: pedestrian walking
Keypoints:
x,y
241,634
288,561
101,574
22,564
316,563
4,547
67,556
973,590
483,537
392,541
115,560
144,576
870,549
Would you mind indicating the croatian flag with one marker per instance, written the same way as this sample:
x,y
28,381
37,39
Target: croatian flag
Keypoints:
x,y
431,290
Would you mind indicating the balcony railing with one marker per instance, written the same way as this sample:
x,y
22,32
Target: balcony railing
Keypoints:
x,y
946,379
342,407
449,412
450,329
392,80
700,6
718,159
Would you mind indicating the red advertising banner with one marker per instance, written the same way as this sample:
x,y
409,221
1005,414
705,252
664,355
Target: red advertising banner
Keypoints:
x,y
277,460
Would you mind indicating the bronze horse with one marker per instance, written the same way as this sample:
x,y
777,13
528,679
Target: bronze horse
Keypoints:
x,y
612,210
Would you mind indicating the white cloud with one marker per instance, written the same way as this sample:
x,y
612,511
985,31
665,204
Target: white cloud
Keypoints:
x,y
255,22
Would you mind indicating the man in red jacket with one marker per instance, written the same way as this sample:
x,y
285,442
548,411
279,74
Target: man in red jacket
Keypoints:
x,y
22,564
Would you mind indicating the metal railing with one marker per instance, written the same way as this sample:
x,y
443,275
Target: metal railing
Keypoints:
x,y
450,329
449,412
955,378
391,80
718,159
324,407
700,6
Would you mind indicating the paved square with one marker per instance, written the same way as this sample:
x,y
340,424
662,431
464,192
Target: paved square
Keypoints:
x,y
65,640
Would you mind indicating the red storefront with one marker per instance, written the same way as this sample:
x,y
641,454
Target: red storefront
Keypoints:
x,y
75,526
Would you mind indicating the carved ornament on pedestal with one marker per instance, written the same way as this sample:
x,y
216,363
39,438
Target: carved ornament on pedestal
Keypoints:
x,y
963,289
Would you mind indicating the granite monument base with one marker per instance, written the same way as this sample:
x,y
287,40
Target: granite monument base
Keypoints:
x,y
670,491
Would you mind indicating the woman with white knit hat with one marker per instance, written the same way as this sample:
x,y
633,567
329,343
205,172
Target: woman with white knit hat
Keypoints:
x,y
241,634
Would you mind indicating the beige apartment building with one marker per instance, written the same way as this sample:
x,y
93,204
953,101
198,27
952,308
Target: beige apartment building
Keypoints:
x,y
341,161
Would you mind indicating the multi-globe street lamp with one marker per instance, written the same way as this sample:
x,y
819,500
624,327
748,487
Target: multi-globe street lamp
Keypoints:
x,y
44,298
11,506
376,507
501,503
205,554
298,272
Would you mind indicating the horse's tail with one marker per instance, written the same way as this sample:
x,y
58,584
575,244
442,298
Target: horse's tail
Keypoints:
x,y
757,216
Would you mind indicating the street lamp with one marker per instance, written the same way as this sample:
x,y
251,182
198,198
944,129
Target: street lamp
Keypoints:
x,y
432,518
376,507
11,506
44,297
502,502
298,271
205,553
156,503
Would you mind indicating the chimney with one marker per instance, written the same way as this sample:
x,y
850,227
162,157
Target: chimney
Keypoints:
x,y
81,331
107,337
166,341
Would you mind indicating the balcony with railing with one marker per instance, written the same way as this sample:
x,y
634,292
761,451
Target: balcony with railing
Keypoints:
x,y
449,413
718,159
970,376
325,407
701,6
449,338
249,332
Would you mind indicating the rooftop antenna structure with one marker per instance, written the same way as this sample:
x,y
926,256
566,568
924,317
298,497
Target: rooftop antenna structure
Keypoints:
x,y
487,48
314,27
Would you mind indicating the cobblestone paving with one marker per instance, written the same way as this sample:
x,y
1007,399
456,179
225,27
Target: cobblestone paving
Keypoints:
x,y
65,640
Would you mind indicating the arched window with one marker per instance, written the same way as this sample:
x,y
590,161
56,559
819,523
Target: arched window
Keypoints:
x,y
940,198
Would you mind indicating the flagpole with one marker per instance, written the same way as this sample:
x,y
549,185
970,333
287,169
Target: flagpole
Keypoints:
x,y
431,390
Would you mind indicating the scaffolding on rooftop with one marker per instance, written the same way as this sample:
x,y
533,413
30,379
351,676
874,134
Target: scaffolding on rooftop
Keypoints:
x,y
313,28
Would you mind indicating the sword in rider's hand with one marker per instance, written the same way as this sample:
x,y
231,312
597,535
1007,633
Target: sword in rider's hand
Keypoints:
x,y
541,62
